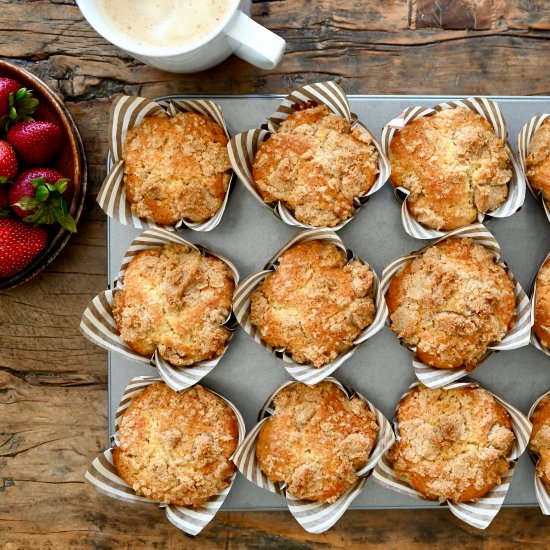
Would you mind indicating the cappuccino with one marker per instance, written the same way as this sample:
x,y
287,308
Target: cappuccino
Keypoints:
x,y
164,23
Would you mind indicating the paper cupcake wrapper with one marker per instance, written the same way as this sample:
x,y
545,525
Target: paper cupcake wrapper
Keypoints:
x,y
517,337
98,324
242,148
534,338
541,491
243,294
103,475
478,513
491,112
524,140
127,112
314,517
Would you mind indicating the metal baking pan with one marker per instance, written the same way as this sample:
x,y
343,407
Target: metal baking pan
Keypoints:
x,y
381,369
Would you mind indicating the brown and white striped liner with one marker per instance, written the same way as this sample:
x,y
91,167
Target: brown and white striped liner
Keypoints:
x,y
98,324
243,294
534,338
127,112
103,475
314,517
517,337
491,112
242,147
478,513
541,491
524,140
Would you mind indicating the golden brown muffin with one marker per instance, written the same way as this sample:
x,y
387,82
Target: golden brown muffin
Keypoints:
x,y
316,164
175,447
540,439
451,303
541,325
176,168
538,161
453,165
175,299
315,304
316,440
453,444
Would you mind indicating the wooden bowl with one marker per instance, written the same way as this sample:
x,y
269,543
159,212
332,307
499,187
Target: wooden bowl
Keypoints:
x,y
70,161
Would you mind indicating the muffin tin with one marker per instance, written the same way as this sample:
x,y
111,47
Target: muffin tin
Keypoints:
x,y
248,234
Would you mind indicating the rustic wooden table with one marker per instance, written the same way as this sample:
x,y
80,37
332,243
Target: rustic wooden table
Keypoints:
x,y
53,382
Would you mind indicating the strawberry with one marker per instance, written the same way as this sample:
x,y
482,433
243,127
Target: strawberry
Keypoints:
x,y
16,102
36,142
4,204
8,162
20,243
39,196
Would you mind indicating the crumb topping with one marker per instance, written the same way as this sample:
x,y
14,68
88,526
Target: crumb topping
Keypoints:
x,y
316,440
453,444
540,439
451,303
542,305
315,304
176,168
538,161
316,164
175,447
453,165
175,299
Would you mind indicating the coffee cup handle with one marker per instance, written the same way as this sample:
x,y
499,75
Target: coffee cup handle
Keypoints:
x,y
254,43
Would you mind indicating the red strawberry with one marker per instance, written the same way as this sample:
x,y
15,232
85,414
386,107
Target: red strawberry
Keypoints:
x,y
38,196
20,243
8,162
16,102
36,142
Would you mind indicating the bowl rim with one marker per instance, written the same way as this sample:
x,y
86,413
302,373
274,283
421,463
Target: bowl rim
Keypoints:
x,y
62,236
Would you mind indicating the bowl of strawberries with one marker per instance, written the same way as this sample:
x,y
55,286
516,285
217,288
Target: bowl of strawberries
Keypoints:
x,y
42,175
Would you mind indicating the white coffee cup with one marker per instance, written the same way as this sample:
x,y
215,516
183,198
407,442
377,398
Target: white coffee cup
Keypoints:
x,y
236,33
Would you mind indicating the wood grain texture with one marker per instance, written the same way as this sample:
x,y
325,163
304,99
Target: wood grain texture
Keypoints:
x,y
53,398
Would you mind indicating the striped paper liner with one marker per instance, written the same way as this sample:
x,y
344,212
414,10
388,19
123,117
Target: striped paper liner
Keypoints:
x,y
541,491
98,324
524,140
313,516
491,112
534,338
103,475
127,112
517,337
242,147
480,512
243,294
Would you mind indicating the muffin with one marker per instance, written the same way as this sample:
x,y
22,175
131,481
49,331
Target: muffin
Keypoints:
x,y
453,165
538,161
541,326
175,300
316,440
176,168
315,304
452,444
175,447
451,303
316,165
540,439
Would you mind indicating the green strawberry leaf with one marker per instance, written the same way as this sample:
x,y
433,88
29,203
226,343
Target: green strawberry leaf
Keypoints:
x,y
21,106
41,180
4,213
42,193
61,185
67,222
4,179
27,203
